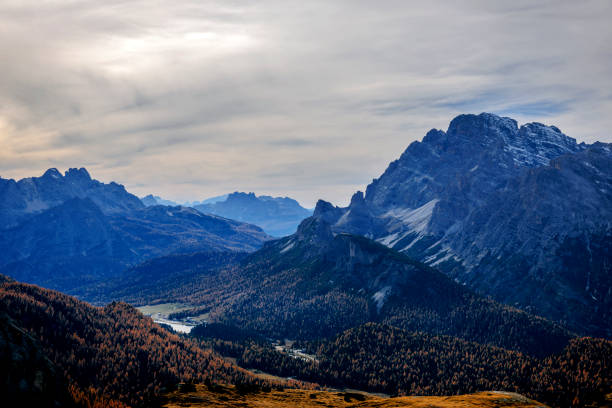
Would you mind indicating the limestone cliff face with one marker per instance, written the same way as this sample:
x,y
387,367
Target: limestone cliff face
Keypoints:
x,y
520,213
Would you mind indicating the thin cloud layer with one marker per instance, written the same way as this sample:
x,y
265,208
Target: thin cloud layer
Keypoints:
x,y
190,99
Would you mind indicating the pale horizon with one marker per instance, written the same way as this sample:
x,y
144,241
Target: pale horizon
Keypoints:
x,y
188,100
304,203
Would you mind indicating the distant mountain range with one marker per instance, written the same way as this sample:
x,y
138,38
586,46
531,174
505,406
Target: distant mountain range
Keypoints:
x,y
210,200
277,216
151,200
66,231
522,214
29,196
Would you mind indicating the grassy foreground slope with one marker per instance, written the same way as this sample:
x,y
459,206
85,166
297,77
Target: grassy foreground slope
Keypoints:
x,y
229,396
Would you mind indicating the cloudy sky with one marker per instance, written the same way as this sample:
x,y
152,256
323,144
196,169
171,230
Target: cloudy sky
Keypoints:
x,y
311,99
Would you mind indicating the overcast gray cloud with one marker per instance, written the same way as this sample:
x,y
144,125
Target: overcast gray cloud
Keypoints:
x,y
189,99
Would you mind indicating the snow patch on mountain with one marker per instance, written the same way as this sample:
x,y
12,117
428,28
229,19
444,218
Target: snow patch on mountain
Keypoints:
x,y
445,258
345,218
287,247
389,240
380,296
416,219
35,205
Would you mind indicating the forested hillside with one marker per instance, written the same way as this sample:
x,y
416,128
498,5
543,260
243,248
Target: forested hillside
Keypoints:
x,y
383,358
111,356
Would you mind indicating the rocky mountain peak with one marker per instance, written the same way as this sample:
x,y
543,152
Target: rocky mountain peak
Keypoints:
x,y
498,207
434,137
315,231
75,174
33,195
476,155
149,200
322,207
240,196
327,211
278,216
536,144
482,126
52,173
533,144
357,199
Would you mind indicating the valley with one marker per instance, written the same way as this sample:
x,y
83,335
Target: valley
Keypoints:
x,y
458,272
331,204
177,326
160,314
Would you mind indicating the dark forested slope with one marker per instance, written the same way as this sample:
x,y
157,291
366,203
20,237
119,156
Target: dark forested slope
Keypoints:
x,y
113,355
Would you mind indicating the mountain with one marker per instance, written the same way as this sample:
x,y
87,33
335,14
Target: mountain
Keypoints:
x,y
75,244
210,200
150,200
520,213
26,197
111,356
87,231
64,245
278,216
547,240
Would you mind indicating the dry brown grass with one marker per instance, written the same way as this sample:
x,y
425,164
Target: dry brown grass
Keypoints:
x,y
228,396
